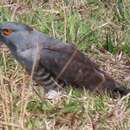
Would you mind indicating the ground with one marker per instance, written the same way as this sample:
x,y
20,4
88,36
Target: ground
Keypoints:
x,y
100,29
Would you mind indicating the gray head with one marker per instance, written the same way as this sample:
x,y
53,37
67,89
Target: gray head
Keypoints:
x,y
15,35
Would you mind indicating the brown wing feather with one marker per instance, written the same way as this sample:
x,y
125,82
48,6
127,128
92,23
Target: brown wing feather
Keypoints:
x,y
80,71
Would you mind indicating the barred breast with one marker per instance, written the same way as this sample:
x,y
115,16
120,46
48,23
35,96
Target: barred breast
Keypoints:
x,y
44,78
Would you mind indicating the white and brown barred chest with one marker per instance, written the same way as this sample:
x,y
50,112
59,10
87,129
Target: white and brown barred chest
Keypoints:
x,y
40,75
45,79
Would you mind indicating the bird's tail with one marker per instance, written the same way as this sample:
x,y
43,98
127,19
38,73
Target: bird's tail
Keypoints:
x,y
113,87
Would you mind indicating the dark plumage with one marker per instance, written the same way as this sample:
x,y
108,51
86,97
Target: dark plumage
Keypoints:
x,y
56,61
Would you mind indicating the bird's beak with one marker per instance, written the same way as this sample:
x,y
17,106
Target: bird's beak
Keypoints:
x,y
0,33
1,43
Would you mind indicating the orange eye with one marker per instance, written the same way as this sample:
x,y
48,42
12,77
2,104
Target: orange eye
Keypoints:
x,y
7,32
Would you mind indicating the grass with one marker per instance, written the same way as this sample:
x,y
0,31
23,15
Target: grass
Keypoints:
x,y
99,28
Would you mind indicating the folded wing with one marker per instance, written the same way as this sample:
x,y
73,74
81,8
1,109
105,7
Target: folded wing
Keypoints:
x,y
67,64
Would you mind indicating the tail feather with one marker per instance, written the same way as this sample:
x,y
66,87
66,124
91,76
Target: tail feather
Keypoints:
x,y
113,87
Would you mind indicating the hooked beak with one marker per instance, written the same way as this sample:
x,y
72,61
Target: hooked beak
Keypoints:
x,y
0,31
1,42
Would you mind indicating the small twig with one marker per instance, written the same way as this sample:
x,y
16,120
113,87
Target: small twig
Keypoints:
x,y
14,12
66,65
65,22
11,124
36,57
93,123
8,5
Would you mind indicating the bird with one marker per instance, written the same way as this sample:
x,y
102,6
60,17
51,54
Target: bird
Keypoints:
x,y
53,62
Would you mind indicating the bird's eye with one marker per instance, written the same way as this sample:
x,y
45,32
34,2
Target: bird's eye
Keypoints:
x,y
6,32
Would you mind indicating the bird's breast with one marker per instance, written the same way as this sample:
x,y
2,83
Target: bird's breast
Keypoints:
x,y
27,58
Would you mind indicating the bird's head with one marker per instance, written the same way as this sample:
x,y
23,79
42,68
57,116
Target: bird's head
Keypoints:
x,y
15,36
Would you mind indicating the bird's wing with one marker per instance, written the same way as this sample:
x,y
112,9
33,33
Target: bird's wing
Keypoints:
x,y
68,64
